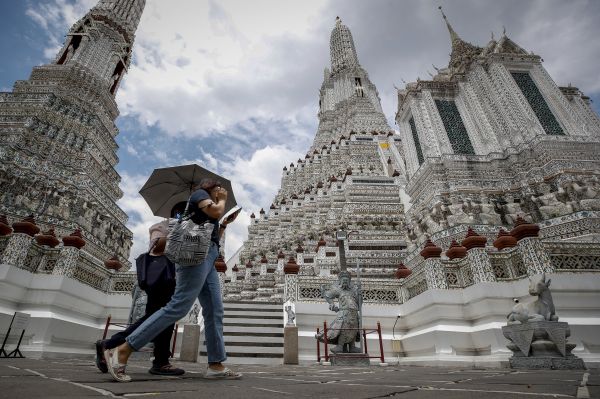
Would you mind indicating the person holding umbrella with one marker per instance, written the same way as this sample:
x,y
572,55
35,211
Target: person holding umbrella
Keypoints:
x,y
208,203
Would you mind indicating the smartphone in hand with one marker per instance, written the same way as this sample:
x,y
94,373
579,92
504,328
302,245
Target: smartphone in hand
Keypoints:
x,y
232,215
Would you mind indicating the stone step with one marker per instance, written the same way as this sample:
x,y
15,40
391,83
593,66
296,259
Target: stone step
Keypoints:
x,y
234,360
252,329
253,314
259,306
234,339
254,309
254,323
248,334
232,355
248,350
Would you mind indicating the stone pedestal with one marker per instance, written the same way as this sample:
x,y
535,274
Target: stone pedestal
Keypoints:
x,y
190,343
349,359
541,345
290,345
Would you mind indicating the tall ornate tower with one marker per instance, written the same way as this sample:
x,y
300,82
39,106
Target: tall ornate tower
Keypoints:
x,y
57,133
351,178
348,101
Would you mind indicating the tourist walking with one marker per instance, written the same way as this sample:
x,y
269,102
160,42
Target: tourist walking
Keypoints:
x,y
156,276
201,281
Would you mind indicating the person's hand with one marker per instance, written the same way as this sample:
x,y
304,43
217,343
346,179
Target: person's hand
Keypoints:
x,y
221,194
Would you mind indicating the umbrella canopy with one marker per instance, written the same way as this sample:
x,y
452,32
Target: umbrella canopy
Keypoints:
x,y
166,187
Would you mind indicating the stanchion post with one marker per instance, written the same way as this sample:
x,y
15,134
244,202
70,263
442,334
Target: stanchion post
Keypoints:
x,y
106,327
325,341
318,348
380,342
365,341
175,341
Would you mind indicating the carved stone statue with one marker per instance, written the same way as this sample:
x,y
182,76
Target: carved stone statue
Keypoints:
x,y
540,309
537,339
193,314
291,315
343,330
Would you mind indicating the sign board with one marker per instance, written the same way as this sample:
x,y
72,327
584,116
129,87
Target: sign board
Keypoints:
x,y
20,321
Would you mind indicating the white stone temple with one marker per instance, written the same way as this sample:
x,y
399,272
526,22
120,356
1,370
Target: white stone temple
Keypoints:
x,y
492,177
58,179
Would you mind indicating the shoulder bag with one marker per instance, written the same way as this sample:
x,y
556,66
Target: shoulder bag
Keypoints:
x,y
188,242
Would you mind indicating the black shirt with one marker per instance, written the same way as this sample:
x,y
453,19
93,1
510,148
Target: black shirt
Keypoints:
x,y
199,217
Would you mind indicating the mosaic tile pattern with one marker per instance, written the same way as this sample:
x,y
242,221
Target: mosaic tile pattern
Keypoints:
x,y
455,128
537,103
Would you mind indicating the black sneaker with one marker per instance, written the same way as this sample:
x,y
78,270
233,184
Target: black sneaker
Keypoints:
x,y
100,360
167,369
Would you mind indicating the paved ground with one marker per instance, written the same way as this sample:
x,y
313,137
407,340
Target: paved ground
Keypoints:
x,y
49,379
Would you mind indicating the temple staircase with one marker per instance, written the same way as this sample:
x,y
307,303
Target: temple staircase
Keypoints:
x,y
253,333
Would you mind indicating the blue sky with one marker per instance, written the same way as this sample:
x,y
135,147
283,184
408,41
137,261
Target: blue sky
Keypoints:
x,y
233,85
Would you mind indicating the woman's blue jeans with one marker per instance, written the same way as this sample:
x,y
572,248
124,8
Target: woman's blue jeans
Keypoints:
x,y
202,282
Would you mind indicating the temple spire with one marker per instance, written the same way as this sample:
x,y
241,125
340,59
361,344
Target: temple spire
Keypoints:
x,y
462,52
453,35
343,52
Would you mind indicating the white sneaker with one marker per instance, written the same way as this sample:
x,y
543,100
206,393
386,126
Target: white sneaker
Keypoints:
x,y
114,368
225,374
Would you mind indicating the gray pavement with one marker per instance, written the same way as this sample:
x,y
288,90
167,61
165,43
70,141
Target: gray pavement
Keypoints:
x,y
79,378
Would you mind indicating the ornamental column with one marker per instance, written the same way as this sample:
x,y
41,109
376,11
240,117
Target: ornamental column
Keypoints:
x,y
324,267
69,254
478,258
534,255
19,242
401,273
221,268
290,269
435,275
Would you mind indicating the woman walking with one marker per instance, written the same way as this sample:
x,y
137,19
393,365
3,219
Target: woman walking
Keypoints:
x,y
201,281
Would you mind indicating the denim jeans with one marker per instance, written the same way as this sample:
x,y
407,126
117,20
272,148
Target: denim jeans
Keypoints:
x,y
202,282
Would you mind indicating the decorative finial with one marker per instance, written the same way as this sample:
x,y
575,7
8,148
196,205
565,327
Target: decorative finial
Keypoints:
x,y
338,21
453,34
442,11
503,30
492,35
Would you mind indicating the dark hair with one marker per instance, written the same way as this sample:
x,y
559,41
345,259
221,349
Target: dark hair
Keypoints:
x,y
207,184
178,208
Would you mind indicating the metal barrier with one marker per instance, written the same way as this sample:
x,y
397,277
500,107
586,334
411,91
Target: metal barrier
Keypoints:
x,y
125,325
349,355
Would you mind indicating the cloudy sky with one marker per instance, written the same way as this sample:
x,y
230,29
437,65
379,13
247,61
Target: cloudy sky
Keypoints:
x,y
233,84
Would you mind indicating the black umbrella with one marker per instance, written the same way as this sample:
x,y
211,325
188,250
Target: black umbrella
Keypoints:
x,y
166,187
